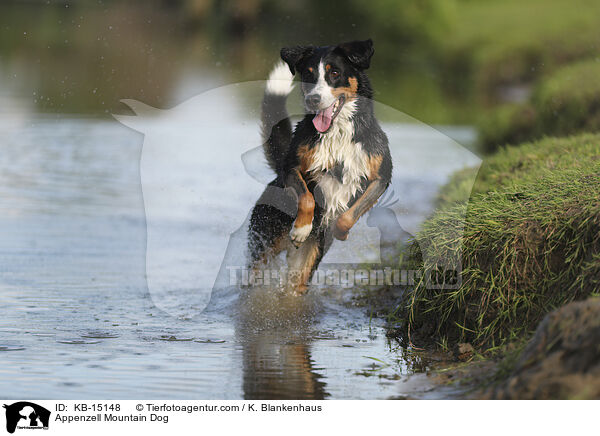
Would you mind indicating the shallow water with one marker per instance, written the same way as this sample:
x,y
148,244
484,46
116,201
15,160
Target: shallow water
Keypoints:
x,y
78,319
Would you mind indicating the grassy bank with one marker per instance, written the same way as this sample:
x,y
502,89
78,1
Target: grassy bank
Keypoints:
x,y
531,243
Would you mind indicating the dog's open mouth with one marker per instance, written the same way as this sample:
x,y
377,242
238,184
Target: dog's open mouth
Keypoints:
x,y
323,119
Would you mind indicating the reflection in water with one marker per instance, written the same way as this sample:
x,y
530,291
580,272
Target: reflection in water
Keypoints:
x,y
274,329
275,370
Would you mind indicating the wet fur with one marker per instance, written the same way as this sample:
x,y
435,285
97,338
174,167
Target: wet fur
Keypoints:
x,y
332,177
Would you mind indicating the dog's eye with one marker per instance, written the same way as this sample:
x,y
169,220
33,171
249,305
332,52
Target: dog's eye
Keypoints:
x,y
335,74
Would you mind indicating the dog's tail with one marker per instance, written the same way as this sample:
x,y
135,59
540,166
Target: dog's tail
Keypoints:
x,y
276,126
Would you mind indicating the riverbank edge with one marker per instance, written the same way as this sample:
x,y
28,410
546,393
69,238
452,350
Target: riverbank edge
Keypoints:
x,y
504,359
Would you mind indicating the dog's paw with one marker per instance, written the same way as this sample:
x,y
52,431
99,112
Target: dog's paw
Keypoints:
x,y
340,234
299,234
342,227
299,291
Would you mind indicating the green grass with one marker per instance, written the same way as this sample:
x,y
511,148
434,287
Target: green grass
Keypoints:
x,y
531,243
563,103
499,42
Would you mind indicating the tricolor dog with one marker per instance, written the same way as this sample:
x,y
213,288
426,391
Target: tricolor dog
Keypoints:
x,y
331,168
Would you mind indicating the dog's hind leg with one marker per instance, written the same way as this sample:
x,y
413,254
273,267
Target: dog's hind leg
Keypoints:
x,y
271,217
300,262
303,261
267,236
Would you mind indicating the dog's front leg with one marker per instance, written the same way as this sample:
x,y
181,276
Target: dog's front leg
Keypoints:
x,y
365,202
306,208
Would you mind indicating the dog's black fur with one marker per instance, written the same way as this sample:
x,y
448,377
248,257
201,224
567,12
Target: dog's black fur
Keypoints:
x,y
305,186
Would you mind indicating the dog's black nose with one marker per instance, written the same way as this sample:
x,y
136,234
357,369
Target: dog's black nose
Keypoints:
x,y
312,101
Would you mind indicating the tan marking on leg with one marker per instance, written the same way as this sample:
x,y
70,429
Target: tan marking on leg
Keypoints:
x,y
342,226
345,222
365,202
306,206
374,165
306,210
310,260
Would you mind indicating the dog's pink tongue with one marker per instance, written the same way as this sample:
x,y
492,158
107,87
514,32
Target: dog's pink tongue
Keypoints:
x,y
322,120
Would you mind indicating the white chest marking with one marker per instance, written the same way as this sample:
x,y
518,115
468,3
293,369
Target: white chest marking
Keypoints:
x,y
337,147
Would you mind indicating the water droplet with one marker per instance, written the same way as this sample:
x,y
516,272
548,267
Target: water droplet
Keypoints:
x,y
100,334
175,339
11,348
77,342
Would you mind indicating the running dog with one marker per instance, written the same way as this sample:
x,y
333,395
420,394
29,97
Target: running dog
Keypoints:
x,y
330,170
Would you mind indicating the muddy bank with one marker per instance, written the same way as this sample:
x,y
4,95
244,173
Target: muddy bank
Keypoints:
x,y
561,361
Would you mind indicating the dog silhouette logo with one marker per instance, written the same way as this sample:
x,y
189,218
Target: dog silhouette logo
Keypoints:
x,y
198,193
26,415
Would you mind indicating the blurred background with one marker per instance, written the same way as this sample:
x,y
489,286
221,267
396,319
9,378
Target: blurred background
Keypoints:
x,y
440,61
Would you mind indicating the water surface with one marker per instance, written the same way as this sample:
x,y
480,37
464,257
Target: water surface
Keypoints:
x,y
78,319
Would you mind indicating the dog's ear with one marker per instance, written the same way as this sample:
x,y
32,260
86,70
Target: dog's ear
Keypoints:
x,y
294,55
359,53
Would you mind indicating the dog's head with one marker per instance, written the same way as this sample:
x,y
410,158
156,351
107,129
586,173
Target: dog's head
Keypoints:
x,y
332,77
